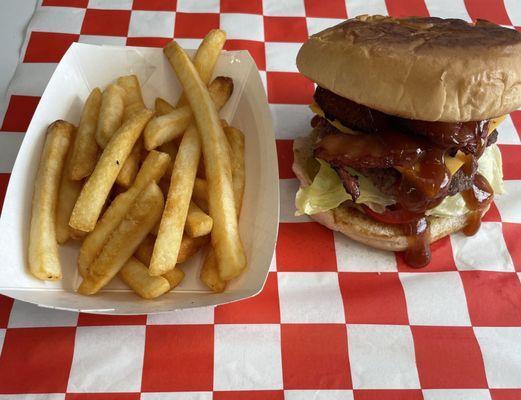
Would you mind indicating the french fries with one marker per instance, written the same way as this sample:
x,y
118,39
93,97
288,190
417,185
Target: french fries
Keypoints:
x,y
135,275
44,260
85,149
97,188
130,166
174,277
163,107
125,239
165,128
198,223
168,241
111,113
152,169
189,247
225,234
200,194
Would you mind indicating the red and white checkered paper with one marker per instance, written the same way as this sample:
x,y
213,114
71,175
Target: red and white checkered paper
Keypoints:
x,y
336,319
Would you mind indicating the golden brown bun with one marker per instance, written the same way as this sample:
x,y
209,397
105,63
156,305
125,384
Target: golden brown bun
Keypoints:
x,y
358,226
430,69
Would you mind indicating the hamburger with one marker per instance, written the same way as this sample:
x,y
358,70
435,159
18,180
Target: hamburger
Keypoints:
x,y
402,150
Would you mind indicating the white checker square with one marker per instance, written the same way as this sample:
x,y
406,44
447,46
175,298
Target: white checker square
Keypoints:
x,y
57,19
243,26
286,8
177,396
2,337
264,80
120,371
507,132
191,316
151,24
318,395
288,189
513,11
501,349
47,396
247,357
103,40
198,6
371,7
486,250
316,25
290,120
10,144
435,298
111,4
27,315
456,394
189,43
508,203
296,304
352,256
448,9
281,56
382,357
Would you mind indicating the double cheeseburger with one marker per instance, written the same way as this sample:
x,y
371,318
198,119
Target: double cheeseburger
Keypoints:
x,y
402,151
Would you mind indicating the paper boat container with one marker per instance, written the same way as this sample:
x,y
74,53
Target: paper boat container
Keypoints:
x,y
84,67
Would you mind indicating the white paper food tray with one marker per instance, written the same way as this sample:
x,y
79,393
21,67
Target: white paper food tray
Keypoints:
x,y
84,67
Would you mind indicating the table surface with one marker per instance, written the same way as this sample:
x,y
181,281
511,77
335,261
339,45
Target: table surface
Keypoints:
x,y
336,320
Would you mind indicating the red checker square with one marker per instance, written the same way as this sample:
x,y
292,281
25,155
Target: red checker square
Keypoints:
x,y
406,8
148,41
260,309
325,9
516,117
102,396
511,234
178,358
382,394
289,88
110,320
505,394
255,48
448,357
493,298
6,303
491,10
373,298
305,247
19,113
285,157
441,258
194,25
285,29
250,395
511,155
106,22
66,3
492,215
315,356
155,5
46,47
36,360
4,181
241,6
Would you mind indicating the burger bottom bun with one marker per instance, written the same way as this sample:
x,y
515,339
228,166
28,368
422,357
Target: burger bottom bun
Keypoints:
x,y
358,226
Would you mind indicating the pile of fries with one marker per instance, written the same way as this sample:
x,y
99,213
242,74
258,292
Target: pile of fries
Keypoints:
x,y
144,190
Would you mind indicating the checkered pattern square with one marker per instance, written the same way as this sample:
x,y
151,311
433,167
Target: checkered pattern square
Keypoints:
x,y
335,319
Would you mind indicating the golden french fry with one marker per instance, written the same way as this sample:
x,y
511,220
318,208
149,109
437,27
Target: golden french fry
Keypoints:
x,y
174,277
198,223
67,196
133,97
152,169
85,149
189,247
163,107
206,57
169,148
111,113
125,239
98,185
200,194
44,260
225,233
136,276
144,251
210,273
168,241
224,124
130,166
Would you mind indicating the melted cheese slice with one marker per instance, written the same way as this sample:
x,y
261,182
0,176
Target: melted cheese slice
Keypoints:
x,y
453,163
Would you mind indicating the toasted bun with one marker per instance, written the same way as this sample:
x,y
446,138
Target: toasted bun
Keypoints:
x,y
430,69
358,226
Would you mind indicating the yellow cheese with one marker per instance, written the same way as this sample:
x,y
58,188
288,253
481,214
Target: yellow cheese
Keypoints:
x,y
494,123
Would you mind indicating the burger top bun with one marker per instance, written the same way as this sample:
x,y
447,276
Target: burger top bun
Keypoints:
x,y
354,223
429,69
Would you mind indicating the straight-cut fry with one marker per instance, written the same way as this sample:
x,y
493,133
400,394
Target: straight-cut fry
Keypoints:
x,y
111,113
225,233
97,188
189,247
168,241
135,275
125,239
174,277
200,194
85,150
131,165
163,107
198,223
44,260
